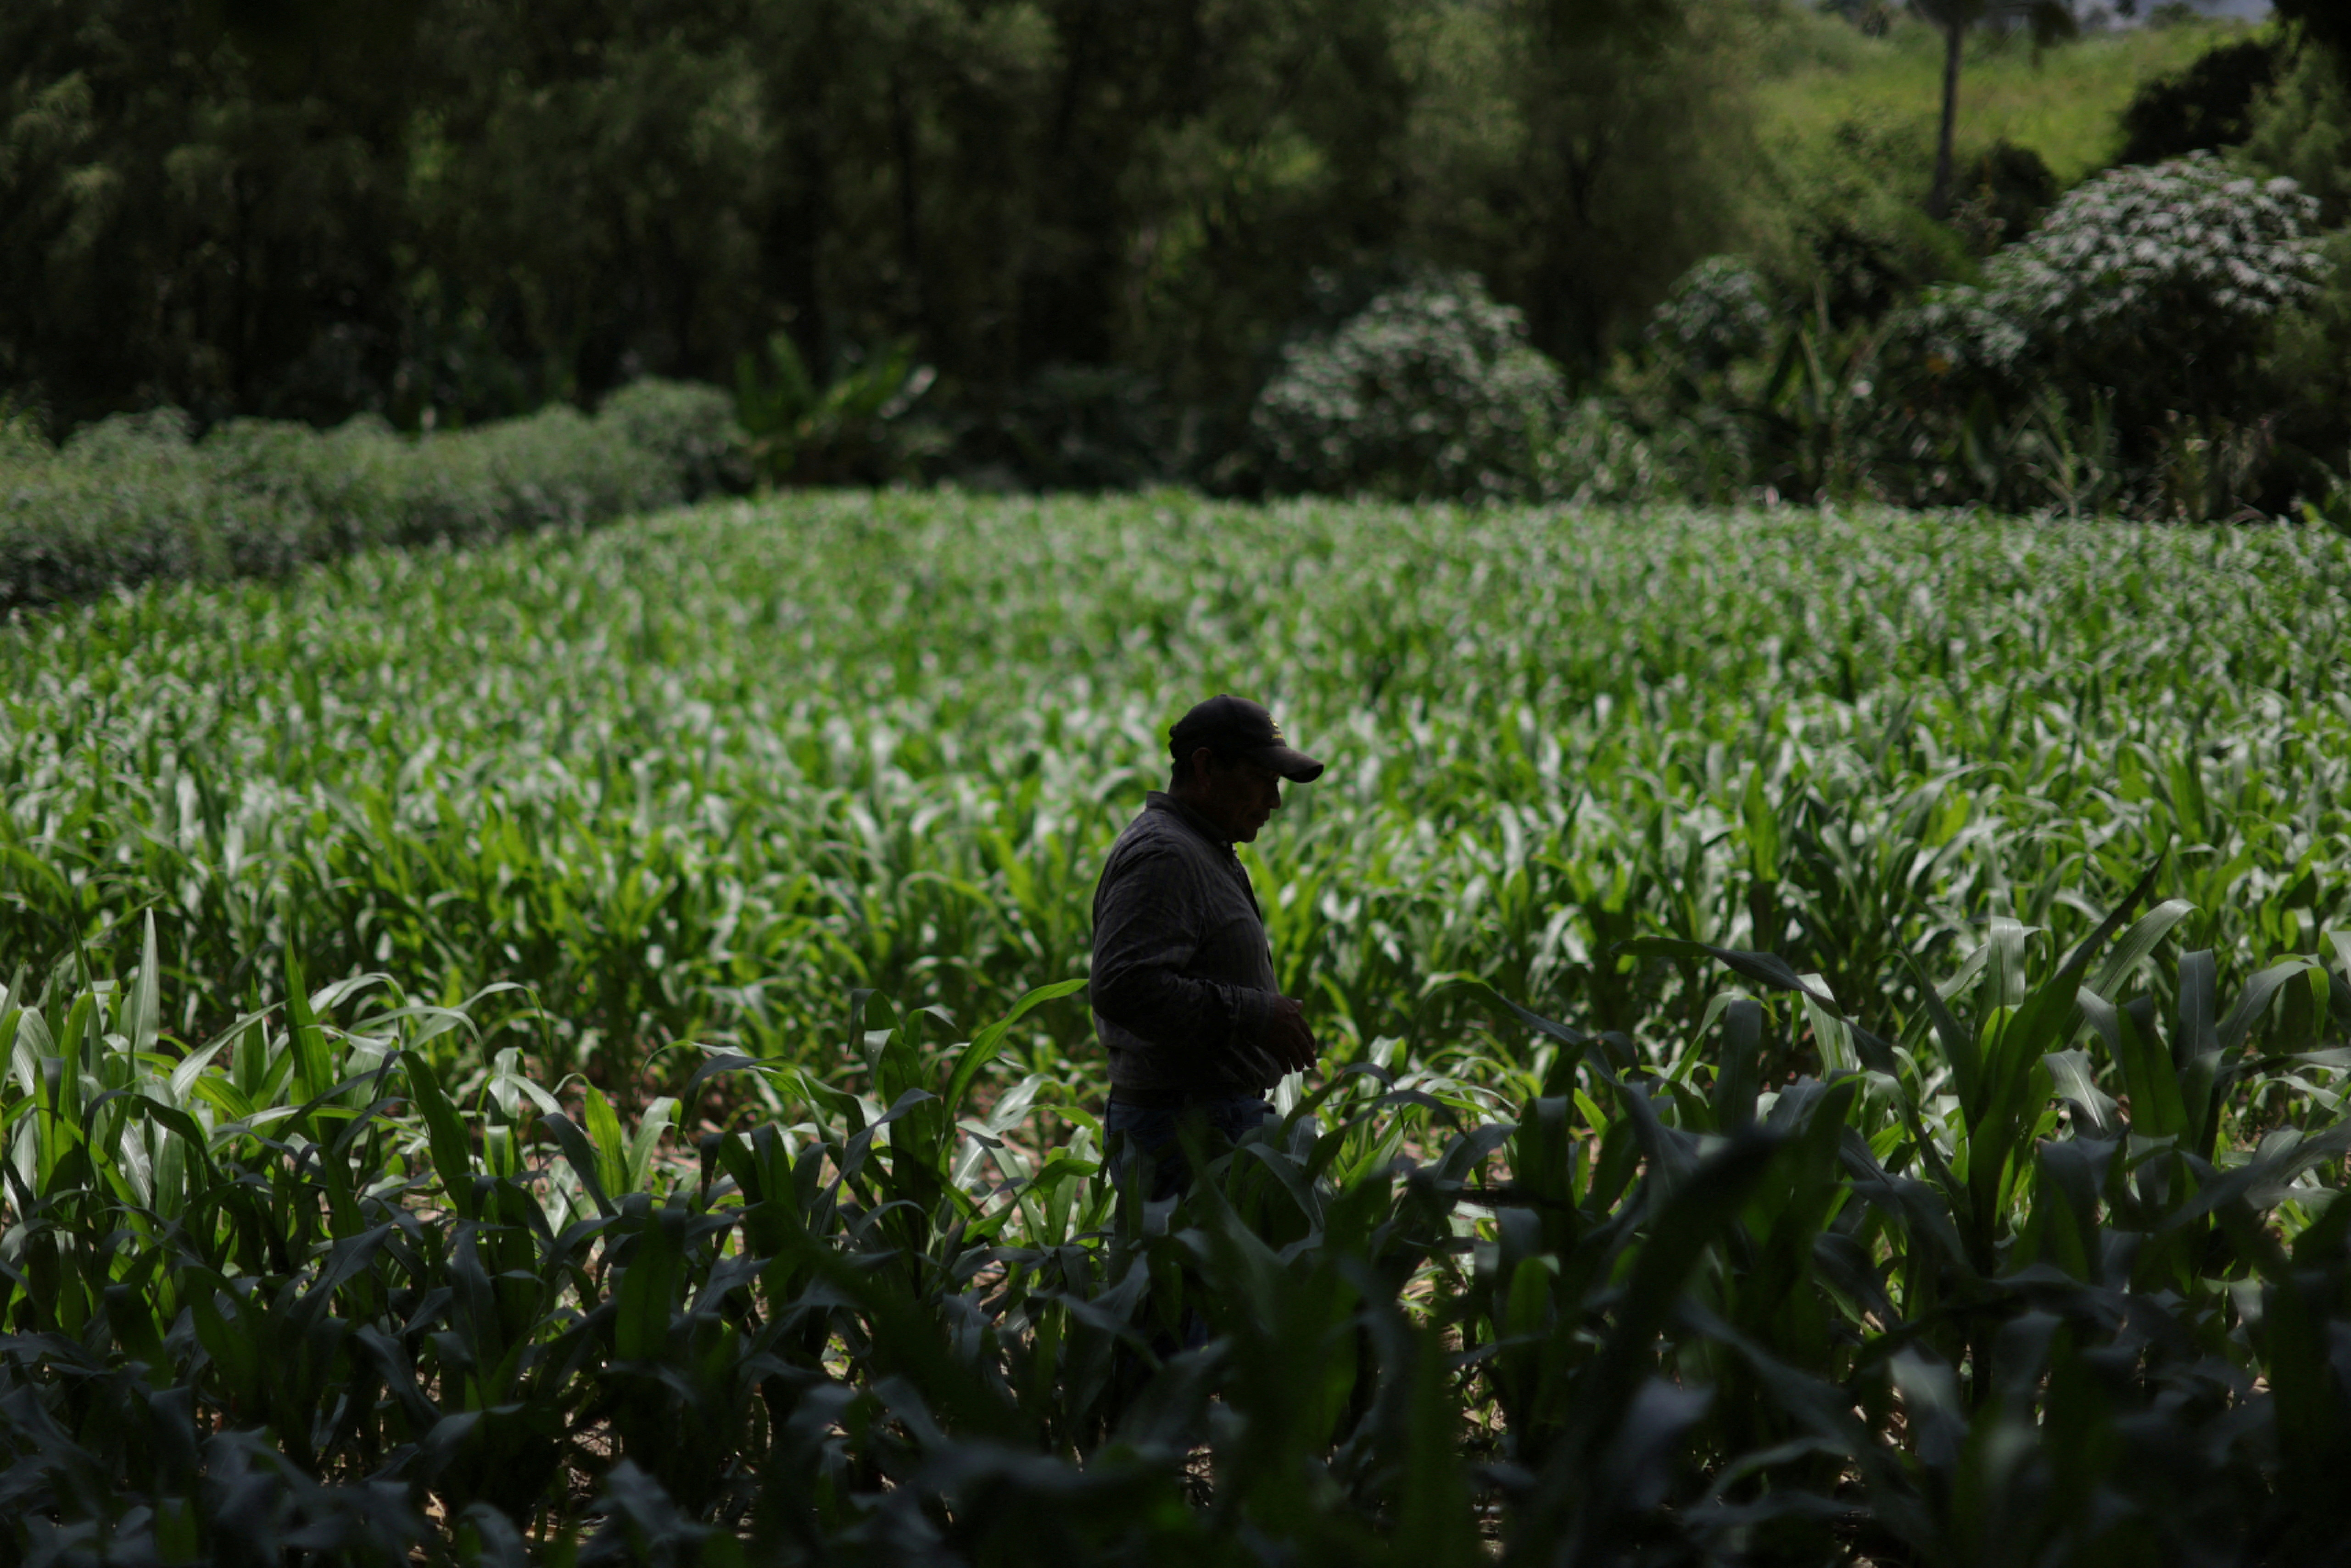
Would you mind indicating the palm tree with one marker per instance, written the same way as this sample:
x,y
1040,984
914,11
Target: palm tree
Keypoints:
x,y
2050,21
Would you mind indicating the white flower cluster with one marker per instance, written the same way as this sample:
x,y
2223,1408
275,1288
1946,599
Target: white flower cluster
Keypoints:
x,y
2185,253
1960,325
2188,234
1720,311
1430,390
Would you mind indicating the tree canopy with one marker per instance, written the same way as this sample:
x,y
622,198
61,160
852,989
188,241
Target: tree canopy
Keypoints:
x,y
450,209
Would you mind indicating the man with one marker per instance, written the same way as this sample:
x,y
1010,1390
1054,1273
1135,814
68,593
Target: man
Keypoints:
x,y
1185,1003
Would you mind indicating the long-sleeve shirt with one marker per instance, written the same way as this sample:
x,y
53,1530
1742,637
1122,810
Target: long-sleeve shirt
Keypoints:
x,y
1183,977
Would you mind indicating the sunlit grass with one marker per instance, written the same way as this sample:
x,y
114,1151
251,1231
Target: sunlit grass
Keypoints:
x,y
2065,103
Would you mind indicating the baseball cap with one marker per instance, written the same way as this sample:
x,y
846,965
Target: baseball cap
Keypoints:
x,y
1236,726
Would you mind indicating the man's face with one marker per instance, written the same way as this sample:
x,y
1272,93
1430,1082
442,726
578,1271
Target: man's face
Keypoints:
x,y
1237,796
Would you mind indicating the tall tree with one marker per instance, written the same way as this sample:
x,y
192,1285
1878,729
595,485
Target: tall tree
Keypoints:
x,y
2050,21
201,204
1582,153
2327,22
458,209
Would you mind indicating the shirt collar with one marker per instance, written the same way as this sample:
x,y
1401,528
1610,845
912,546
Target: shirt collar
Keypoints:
x,y
1161,800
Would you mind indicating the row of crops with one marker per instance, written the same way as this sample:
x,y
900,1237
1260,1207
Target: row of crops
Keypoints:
x,y
690,782
570,1052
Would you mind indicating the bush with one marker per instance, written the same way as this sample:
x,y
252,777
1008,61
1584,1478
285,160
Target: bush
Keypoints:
x,y
1432,390
2171,265
134,498
120,504
2301,130
856,428
2153,283
2208,105
2123,351
690,427
1855,228
1719,311
2322,22
1596,455
2003,191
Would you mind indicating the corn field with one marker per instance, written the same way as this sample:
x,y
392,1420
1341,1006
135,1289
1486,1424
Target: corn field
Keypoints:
x,y
571,1051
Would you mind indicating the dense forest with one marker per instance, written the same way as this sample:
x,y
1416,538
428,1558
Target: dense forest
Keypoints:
x,y
476,206
1088,237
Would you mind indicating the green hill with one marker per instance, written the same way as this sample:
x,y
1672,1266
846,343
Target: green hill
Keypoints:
x,y
1823,74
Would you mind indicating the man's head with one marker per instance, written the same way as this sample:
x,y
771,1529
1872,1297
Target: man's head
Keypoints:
x,y
1229,761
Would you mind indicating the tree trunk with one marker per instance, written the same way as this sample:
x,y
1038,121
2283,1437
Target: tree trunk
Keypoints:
x,y
902,133
800,226
1938,200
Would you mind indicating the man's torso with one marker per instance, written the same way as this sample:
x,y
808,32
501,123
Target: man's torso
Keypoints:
x,y
1173,894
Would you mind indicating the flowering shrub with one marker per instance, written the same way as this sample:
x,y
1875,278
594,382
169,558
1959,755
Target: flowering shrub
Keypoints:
x,y
2184,246
2149,280
1720,311
1960,328
1431,390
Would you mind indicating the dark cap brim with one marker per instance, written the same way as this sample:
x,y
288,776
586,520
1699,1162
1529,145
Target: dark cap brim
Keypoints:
x,y
1295,766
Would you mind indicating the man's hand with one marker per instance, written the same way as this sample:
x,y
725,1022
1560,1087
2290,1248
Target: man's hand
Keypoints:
x,y
1287,1039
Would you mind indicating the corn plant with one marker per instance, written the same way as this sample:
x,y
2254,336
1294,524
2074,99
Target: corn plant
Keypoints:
x,y
2049,1274
1836,1034
885,741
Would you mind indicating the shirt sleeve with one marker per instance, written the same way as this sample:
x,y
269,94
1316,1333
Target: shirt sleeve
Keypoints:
x,y
1146,932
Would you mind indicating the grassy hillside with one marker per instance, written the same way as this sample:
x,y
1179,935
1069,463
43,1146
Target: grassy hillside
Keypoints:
x,y
2064,103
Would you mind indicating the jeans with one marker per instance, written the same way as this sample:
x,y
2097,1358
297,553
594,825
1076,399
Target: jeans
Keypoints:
x,y
1150,1134
1148,1138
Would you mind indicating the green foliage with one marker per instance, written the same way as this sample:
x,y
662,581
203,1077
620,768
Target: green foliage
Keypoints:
x,y
1719,311
468,211
687,429
1825,74
686,779
2184,257
1925,429
1089,428
1849,216
1579,156
2310,355
2302,130
189,223
1596,457
2004,192
454,212
2047,1269
2321,23
2208,105
1098,224
1430,390
2155,345
2155,288
852,430
133,499
2047,21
